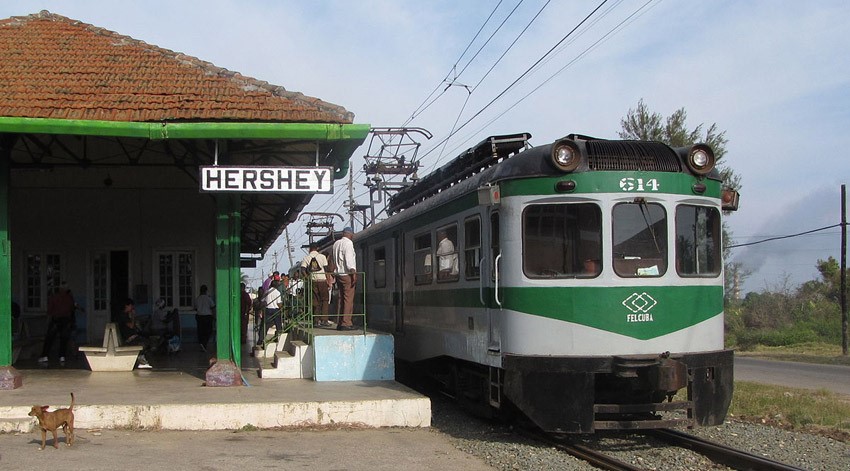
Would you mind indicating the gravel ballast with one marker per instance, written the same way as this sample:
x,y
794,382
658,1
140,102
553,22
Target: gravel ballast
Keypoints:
x,y
504,449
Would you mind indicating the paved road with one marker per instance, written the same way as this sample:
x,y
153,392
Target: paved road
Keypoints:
x,y
355,450
792,374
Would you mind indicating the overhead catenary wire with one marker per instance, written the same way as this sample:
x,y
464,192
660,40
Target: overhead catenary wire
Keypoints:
x,y
621,25
770,239
425,103
518,79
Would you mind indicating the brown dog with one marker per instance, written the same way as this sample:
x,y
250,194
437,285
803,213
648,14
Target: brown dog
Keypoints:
x,y
53,420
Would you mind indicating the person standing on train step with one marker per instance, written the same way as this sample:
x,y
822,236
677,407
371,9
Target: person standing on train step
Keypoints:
x,y
315,266
346,277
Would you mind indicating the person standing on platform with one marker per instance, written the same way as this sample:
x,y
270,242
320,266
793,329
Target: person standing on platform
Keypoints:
x,y
315,265
246,306
60,316
204,305
346,277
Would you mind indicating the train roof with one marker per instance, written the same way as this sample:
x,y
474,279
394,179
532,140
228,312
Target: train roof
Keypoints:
x,y
509,156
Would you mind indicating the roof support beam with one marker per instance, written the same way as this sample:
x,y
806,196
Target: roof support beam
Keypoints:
x,y
171,130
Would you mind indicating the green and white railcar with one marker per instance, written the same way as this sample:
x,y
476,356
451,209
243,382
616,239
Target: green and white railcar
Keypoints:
x,y
582,281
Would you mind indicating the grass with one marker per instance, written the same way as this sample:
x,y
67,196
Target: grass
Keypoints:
x,y
819,411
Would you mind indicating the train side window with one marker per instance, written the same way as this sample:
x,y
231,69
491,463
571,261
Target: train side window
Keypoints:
x,y
379,267
562,240
640,239
422,257
698,237
447,260
472,248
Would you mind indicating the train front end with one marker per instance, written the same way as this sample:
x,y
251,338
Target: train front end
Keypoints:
x,y
611,281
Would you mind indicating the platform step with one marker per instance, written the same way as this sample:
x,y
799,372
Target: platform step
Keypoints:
x,y
17,425
295,361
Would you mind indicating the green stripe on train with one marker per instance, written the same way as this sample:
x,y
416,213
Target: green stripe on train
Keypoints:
x,y
642,183
644,312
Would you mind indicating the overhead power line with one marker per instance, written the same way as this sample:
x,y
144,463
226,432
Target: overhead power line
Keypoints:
x,y
783,237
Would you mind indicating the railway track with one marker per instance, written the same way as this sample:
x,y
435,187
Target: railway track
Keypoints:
x,y
720,454
594,457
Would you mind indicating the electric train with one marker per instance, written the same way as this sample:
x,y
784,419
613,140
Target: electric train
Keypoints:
x,y
579,282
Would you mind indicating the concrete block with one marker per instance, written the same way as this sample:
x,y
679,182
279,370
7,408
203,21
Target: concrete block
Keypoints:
x,y
111,361
355,357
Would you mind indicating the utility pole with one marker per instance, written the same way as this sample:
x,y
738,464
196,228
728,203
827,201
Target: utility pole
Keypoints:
x,y
288,246
843,287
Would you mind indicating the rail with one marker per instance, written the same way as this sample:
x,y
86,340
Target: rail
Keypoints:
x,y
720,454
593,457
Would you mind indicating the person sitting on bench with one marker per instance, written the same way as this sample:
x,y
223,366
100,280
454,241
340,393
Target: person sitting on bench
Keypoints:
x,y
132,332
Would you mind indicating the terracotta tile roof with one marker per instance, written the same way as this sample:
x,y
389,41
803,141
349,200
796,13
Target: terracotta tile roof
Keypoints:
x,y
55,67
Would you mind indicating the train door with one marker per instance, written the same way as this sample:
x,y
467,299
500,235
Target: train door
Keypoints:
x,y
398,290
491,284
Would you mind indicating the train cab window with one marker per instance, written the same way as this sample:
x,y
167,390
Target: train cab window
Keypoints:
x,y
422,257
472,248
640,239
698,241
447,260
379,267
562,240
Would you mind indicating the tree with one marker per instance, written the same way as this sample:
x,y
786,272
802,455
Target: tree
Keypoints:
x,y
642,124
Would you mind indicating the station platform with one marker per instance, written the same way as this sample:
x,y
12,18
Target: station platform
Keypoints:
x,y
172,396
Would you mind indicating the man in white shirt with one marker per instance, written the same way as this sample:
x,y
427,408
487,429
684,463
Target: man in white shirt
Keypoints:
x,y
446,257
273,301
346,277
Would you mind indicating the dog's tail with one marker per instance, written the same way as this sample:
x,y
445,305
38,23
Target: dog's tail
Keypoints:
x,y
72,402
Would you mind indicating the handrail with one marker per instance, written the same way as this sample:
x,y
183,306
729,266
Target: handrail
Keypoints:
x,y
496,268
481,283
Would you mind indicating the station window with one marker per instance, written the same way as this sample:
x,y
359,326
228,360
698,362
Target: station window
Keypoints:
x,y
472,248
447,259
422,259
175,274
562,240
640,239
44,273
698,237
379,268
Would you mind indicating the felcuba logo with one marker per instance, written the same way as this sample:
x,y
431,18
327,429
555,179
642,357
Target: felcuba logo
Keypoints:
x,y
640,305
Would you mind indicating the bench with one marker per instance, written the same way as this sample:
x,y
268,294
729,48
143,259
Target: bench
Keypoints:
x,y
112,356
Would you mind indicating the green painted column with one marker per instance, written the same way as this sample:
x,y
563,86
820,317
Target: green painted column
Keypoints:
x,y
223,277
10,378
5,265
226,371
235,279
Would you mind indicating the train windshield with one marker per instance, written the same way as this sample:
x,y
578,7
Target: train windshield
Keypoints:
x,y
698,241
562,240
640,239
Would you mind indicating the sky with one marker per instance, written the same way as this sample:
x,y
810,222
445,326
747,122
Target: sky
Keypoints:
x,y
774,75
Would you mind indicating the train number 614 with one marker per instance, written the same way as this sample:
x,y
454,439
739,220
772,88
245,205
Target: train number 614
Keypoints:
x,y
638,184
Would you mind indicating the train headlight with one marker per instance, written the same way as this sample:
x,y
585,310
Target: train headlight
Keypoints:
x,y
566,156
701,159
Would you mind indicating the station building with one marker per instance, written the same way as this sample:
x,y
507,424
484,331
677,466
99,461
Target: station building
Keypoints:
x,y
132,171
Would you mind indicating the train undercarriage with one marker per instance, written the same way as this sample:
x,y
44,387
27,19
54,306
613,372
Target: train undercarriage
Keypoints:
x,y
586,394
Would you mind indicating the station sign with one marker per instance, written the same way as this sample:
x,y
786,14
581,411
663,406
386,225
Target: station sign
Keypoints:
x,y
267,179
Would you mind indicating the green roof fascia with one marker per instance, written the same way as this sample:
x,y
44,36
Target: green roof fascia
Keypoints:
x,y
171,130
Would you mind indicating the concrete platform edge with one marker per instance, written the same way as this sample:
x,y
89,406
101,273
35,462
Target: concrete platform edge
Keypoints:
x,y
378,413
